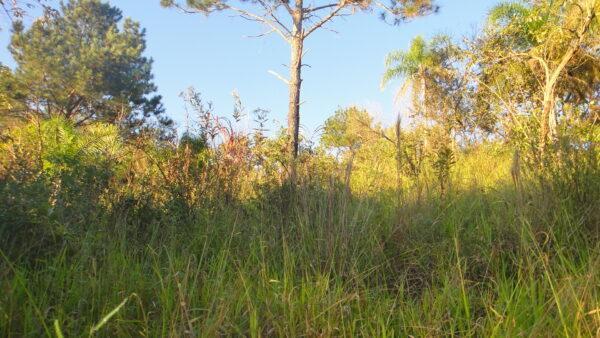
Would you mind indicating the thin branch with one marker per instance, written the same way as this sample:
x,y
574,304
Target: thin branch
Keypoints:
x,y
260,35
271,10
315,9
281,30
187,10
274,24
323,21
385,8
287,7
286,81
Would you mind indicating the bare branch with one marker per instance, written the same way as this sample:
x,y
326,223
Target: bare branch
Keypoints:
x,y
323,21
287,7
385,8
274,23
280,29
271,11
286,81
187,10
260,35
315,9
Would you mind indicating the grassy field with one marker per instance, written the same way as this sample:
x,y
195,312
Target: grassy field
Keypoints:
x,y
484,260
467,207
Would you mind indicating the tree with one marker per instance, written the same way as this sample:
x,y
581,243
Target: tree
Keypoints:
x,y
553,46
295,22
434,72
86,64
347,129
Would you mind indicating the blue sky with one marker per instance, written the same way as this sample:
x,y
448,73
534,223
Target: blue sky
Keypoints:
x,y
214,55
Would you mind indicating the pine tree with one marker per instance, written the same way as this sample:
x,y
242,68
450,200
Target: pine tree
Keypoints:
x,y
85,63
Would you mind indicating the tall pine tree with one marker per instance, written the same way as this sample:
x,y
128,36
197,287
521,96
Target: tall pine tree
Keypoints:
x,y
294,21
85,63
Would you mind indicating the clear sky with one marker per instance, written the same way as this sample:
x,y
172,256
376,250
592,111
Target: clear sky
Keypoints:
x,y
214,55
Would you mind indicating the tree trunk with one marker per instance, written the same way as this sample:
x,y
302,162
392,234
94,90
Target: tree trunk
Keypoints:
x,y
548,131
297,45
547,121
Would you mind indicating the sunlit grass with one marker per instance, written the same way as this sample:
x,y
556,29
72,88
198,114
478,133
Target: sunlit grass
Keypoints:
x,y
478,261
486,272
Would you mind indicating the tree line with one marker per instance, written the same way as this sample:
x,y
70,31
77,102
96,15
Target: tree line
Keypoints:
x,y
532,60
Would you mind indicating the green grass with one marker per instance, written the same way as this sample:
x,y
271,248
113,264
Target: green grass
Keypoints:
x,y
470,267
481,261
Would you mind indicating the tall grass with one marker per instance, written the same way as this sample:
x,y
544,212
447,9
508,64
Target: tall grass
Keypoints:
x,y
472,263
482,271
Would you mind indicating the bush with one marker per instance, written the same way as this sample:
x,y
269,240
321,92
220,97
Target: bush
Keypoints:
x,y
52,177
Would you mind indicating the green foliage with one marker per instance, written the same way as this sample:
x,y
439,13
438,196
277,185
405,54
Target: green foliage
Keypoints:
x,y
86,64
535,60
201,5
347,128
440,86
420,57
407,64
505,13
12,95
52,178
442,164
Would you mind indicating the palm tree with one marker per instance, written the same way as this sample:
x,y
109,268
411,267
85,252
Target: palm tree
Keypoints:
x,y
411,66
430,70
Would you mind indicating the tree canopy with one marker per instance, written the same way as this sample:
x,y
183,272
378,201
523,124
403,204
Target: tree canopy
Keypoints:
x,y
535,57
86,63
